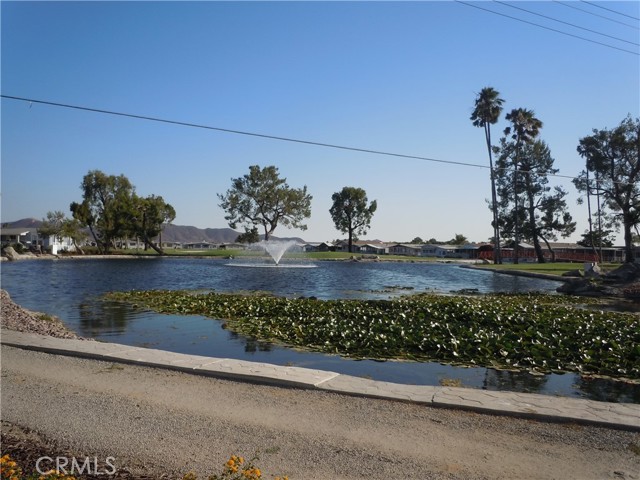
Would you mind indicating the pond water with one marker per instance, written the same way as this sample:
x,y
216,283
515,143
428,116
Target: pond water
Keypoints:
x,y
73,289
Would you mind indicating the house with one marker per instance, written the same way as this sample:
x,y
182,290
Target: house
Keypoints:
x,y
54,244
25,236
410,249
30,238
200,246
232,246
374,249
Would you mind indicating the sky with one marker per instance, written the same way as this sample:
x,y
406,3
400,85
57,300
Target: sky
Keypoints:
x,y
396,77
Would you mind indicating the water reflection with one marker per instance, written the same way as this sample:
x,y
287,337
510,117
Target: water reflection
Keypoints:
x,y
603,390
514,381
251,345
103,318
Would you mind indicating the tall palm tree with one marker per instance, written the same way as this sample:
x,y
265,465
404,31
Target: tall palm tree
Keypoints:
x,y
524,128
487,111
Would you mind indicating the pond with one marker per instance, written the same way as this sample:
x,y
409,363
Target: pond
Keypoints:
x,y
73,289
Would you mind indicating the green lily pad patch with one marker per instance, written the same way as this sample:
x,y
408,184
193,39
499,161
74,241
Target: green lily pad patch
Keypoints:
x,y
531,332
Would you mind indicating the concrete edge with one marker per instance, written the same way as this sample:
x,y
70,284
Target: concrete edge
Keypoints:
x,y
522,273
621,416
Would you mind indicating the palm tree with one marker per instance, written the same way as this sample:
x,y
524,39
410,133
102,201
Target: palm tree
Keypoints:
x,y
487,111
524,128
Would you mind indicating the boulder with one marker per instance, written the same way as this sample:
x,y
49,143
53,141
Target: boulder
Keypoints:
x,y
574,273
10,253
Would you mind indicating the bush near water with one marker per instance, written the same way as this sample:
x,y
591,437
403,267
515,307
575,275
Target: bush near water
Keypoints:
x,y
534,332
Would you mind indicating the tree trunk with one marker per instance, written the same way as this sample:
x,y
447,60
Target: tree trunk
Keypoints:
x,y
157,248
628,238
350,240
497,257
99,244
534,232
149,243
553,253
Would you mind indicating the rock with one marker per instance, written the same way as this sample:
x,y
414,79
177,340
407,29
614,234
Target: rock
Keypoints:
x,y
10,253
592,270
14,317
574,273
628,272
582,287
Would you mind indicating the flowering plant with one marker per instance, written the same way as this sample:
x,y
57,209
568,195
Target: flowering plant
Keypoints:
x,y
9,470
236,468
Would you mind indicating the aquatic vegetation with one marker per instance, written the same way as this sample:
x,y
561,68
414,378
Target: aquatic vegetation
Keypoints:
x,y
535,332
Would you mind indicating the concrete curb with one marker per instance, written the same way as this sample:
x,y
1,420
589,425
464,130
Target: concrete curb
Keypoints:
x,y
624,416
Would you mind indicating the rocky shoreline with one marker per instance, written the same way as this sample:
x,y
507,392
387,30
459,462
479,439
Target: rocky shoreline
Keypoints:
x,y
15,317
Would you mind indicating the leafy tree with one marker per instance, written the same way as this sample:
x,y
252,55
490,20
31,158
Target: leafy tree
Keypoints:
x,y
350,212
524,128
263,198
613,157
488,108
249,236
52,225
72,228
105,207
459,239
542,211
417,241
147,217
56,224
596,239
111,209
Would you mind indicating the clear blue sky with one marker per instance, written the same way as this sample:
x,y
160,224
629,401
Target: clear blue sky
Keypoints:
x,y
395,76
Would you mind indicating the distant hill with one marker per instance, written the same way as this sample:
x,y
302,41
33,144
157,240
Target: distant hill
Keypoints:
x,y
171,233
24,223
187,234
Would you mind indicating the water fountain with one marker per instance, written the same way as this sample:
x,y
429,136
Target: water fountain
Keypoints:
x,y
276,249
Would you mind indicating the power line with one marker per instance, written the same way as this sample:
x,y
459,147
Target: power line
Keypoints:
x,y
567,23
568,5
609,10
270,137
240,132
547,28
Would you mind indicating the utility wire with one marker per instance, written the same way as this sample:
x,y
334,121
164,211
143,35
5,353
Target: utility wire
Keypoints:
x,y
568,5
274,137
609,9
567,23
546,28
240,132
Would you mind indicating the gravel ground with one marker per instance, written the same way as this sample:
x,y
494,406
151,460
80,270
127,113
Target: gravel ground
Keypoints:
x,y
161,424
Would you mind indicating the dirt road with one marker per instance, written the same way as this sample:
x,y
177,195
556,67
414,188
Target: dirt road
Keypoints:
x,y
163,422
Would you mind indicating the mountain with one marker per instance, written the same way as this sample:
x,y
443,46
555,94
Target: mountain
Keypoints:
x,y
24,223
187,234
171,233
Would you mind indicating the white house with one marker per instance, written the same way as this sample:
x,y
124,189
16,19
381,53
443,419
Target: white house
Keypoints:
x,y
30,238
